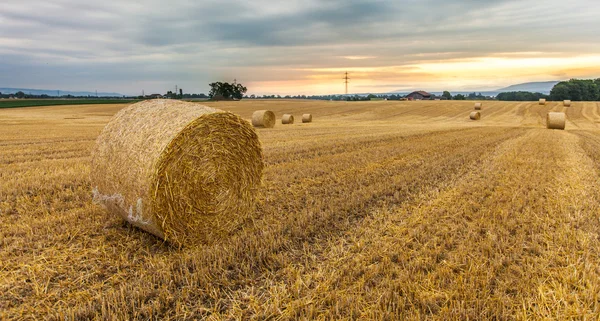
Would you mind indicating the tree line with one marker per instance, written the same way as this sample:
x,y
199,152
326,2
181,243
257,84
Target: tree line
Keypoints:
x,y
576,90
22,95
520,96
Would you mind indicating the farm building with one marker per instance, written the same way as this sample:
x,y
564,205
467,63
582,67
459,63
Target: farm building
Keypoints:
x,y
420,95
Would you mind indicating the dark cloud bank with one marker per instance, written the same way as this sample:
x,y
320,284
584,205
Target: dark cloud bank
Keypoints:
x,y
118,46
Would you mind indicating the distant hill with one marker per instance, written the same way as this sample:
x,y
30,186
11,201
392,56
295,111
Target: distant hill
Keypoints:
x,y
54,93
541,87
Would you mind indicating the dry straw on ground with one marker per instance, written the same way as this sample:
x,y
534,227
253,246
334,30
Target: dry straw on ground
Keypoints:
x,y
542,101
263,118
477,106
567,103
184,172
555,120
386,218
287,119
307,118
475,115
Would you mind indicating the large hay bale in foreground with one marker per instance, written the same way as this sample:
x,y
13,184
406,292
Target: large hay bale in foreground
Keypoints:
x,y
477,106
263,118
181,171
542,101
307,118
287,119
567,103
475,115
556,120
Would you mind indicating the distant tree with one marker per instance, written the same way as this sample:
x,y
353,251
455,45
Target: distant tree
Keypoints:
x,y
447,95
227,90
459,97
560,92
180,93
20,94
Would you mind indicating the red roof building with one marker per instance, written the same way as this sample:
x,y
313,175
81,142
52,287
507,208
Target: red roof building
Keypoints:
x,y
419,95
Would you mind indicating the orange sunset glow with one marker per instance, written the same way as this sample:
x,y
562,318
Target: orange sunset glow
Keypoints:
x,y
458,74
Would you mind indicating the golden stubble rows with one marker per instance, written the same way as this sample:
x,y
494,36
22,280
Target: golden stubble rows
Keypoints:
x,y
512,238
375,210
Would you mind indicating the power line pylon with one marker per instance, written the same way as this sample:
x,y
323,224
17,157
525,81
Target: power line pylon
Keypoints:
x,y
346,81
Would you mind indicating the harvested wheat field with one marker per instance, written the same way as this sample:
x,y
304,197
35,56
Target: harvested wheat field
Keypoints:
x,y
380,210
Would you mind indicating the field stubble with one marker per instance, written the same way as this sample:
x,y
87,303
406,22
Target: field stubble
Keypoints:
x,y
375,210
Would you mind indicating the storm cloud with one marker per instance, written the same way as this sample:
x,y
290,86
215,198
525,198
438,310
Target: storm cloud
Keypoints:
x,y
282,47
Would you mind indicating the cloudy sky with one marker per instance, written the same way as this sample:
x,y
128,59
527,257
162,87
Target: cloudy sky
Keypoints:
x,y
295,46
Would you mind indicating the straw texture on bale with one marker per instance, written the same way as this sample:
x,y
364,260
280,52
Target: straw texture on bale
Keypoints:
x,y
287,119
542,101
307,118
184,172
477,106
556,120
567,103
475,115
263,118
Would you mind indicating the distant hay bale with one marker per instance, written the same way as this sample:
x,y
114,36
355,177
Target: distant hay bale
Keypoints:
x,y
567,103
555,120
307,118
542,101
287,119
477,106
184,172
263,118
475,115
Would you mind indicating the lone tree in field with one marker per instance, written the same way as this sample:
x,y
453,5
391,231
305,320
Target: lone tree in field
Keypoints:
x,y
224,90
447,95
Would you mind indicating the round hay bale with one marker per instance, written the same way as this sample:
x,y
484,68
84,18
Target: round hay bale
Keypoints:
x,y
475,115
567,103
477,106
307,118
287,119
184,172
542,101
556,120
263,119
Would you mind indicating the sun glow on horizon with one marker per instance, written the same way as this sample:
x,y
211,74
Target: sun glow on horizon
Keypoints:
x,y
481,73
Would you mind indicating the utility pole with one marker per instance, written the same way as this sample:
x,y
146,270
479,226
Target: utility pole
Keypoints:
x,y
346,80
143,94
175,90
